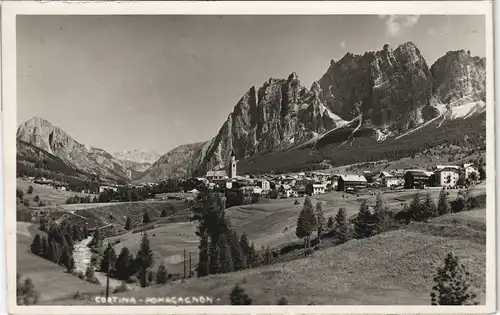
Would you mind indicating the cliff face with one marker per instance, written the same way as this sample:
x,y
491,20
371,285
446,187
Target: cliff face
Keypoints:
x,y
42,134
459,78
277,115
389,87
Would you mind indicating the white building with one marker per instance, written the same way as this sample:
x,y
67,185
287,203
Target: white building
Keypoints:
x,y
447,176
389,180
318,189
103,188
265,185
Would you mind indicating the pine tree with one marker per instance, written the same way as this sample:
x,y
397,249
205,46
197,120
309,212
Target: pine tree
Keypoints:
x,y
443,204
239,297
161,274
320,220
341,226
150,277
214,257
45,247
225,258
254,258
429,209
70,263
330,223
203,259
163,213
108,259
85,231
123,264
364,224
306,223
143,277
36,245
128,224
96,239
89,274
238,256
145,258
30,190
145,218
482,173
267,257
452,284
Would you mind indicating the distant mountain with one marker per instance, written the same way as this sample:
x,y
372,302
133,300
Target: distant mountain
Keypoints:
x,y
42,134
178,162
139,160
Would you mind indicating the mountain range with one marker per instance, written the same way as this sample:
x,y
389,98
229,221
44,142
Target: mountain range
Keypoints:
x,y
385,94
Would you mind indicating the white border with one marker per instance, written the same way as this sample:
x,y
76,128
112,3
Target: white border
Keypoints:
x,y
11,9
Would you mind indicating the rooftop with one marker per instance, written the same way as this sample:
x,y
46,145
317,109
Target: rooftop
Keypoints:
x,y
353,178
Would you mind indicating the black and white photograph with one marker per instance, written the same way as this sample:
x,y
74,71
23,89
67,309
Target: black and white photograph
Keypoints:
x,y
218,159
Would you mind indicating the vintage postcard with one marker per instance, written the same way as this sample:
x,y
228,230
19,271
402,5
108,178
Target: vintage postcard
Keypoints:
x,y
249,157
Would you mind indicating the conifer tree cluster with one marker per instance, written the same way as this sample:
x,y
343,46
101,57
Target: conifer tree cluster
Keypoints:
x,y
221,248
58,246
421,209
368,223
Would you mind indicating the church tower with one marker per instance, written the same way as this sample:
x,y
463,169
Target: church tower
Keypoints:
x,y
232,167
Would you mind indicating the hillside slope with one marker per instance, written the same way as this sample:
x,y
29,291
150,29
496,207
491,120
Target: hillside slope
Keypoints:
x,y
393,268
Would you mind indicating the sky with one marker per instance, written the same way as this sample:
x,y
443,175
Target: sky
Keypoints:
x,y
155,82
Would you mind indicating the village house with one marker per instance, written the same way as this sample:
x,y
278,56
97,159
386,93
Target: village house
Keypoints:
x,y
103,188
351,182
389,180
447,176
469,169
334,181
264,184
416,179
318,189
216,175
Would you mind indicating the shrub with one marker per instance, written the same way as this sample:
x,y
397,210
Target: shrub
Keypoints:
x,y
30,190
26,292
282,301
239,297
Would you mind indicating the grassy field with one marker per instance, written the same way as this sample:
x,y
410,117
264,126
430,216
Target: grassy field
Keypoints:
x,y
50,279
268,224
392,268
47,194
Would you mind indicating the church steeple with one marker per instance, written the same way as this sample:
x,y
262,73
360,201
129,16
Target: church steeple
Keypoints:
x,y
232,166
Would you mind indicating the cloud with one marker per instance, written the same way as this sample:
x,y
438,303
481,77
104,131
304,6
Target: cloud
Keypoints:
x,y
431,31
396,24
342,44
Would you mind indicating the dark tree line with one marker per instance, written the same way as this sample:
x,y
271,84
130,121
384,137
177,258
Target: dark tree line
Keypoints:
x,y
58,245
221,248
